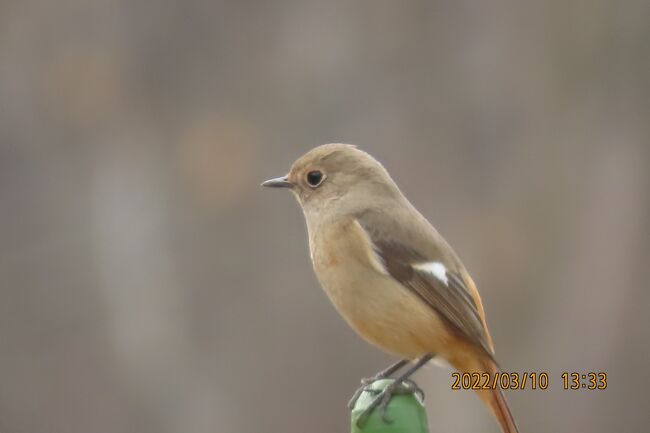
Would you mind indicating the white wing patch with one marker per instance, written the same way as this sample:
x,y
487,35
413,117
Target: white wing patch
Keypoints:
x,y
436,269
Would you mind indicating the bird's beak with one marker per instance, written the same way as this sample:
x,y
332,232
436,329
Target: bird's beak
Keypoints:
x,y
278,182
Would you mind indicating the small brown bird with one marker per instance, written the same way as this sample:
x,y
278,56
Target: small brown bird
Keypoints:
x,y
388,272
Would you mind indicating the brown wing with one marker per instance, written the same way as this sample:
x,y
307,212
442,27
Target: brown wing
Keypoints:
x,y
450,299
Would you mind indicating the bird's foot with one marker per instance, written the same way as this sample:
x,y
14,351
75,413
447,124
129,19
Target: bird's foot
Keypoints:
x,y
415,389
366,382
383,397
365,387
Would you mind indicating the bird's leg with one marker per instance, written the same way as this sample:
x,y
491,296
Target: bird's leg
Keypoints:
x,y
401,385
387,371
381,375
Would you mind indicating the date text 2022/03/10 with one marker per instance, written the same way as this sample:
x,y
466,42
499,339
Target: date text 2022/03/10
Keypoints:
x,y
527,380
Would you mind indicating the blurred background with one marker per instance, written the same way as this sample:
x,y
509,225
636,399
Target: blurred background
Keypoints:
x,y
148,284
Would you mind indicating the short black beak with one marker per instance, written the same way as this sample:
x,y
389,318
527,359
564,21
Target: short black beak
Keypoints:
x,y
278,182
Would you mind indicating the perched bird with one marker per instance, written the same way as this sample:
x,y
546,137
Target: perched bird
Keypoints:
x,y
388,272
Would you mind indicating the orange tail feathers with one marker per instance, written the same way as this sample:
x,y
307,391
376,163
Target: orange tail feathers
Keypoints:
x,y
493,398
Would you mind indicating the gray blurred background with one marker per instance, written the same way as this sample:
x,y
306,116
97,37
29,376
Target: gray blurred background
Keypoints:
x,y
148,284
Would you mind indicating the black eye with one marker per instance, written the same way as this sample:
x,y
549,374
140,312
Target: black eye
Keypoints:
x,y
314,178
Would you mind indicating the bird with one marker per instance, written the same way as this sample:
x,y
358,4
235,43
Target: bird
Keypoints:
x,y
392,277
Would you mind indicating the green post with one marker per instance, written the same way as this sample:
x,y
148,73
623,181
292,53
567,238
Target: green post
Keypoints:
x,y
406,412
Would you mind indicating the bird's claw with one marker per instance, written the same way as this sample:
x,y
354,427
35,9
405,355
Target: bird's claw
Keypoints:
x,y
415,389
365,387
383,397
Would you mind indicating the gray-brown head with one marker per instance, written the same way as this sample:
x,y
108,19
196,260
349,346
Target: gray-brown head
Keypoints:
x,y
337,177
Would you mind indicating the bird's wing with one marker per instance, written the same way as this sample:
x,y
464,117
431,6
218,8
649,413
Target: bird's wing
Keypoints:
x,y
430,276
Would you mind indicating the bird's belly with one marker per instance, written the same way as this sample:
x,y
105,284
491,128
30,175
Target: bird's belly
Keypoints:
x,y
384,312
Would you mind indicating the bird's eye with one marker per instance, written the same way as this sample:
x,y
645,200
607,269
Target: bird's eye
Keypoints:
x,y
314,178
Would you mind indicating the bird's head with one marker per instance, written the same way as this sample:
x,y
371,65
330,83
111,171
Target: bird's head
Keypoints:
x,y
337,178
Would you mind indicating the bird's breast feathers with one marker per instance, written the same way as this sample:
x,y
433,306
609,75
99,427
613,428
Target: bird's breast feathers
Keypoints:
x,y
373,303
376,282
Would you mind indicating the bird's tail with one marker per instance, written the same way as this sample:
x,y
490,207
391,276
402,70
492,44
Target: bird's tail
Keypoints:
x,y
493,397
